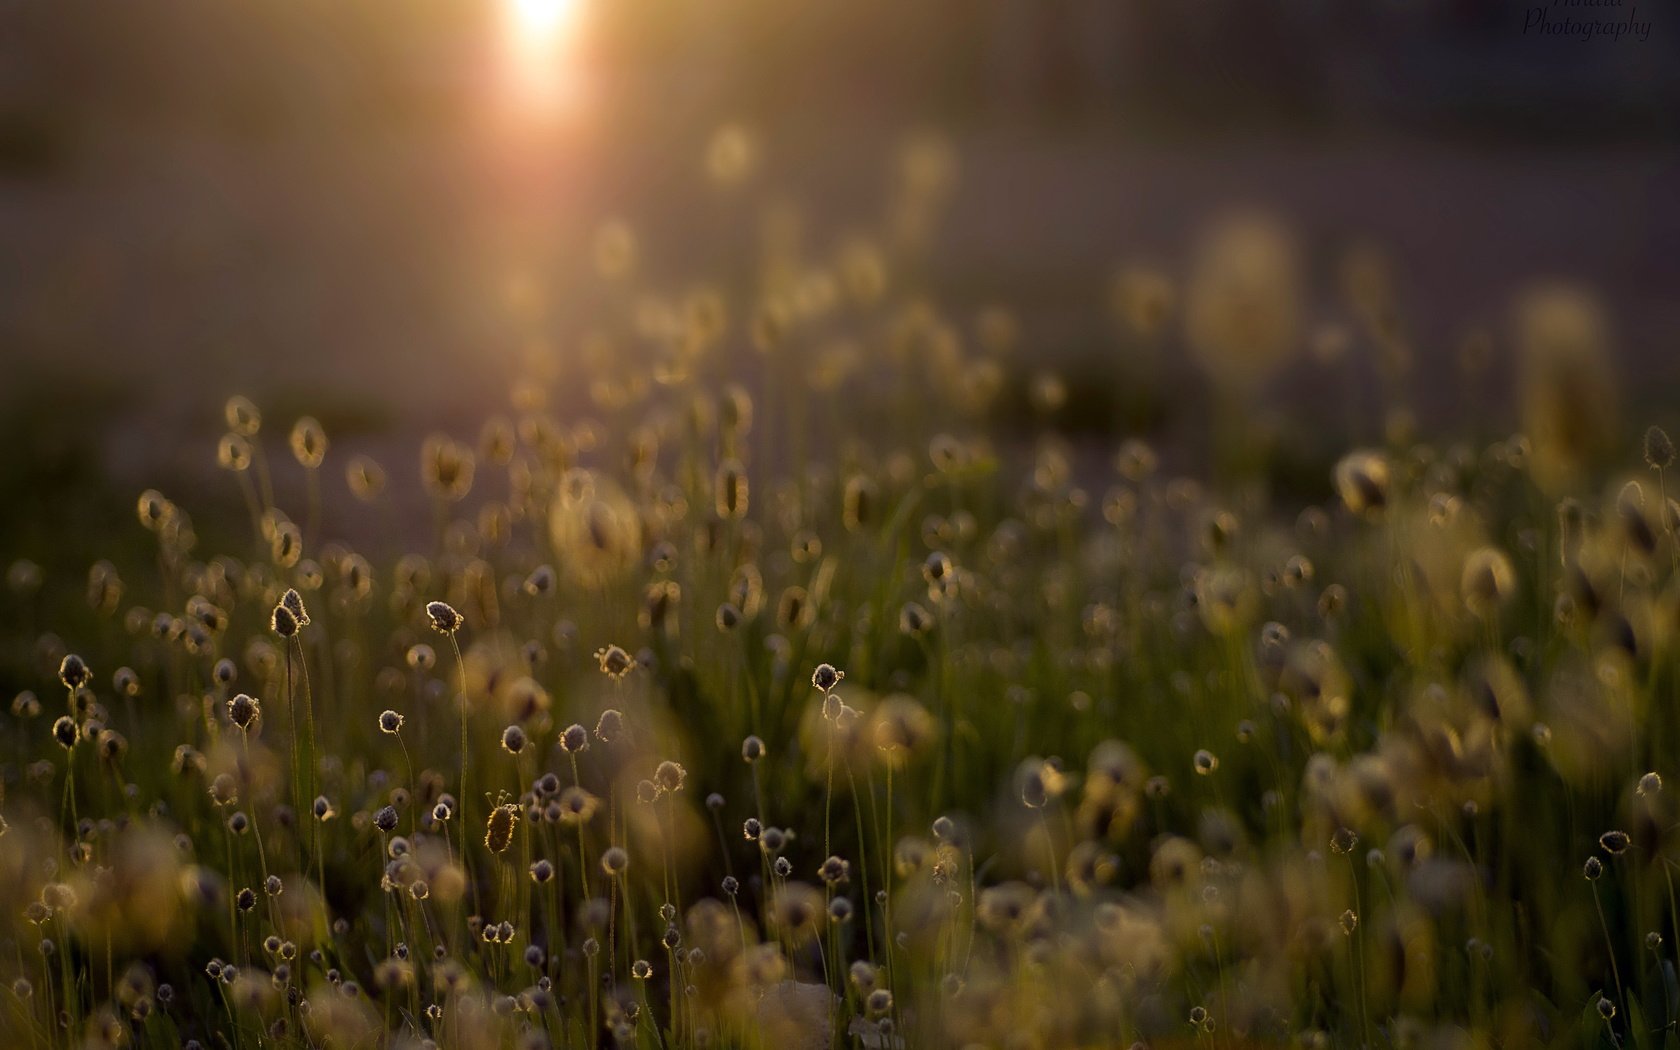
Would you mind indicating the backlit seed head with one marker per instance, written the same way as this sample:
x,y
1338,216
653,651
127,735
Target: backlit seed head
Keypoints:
x,y
323,809
309,442
669,776
1349,921
498,829
859,503
542,871
386,819
73,671
513,740
752,749
282,622
1614,842
1592,869
914,620
421,657
243,710
1659,450
1344,841
1205,762
66,732
610,726
574,738
1606,1008
1487,581
444,618
1649,784
1362,481
614,662
390,722
292,601
730,493
540,582
728,617
365,478
825,677
615,860
286,544
937,568
834,871
233,453
242,416
641,969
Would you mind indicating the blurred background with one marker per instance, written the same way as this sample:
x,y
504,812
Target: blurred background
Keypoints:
x,y
380,212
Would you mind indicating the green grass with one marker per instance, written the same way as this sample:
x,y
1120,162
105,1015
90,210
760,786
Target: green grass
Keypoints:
x,y
1118,756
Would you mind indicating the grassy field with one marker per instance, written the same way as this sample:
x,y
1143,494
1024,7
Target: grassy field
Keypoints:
x,y
842,675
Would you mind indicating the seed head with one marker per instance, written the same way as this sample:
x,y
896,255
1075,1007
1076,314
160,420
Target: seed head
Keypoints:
x,y
1362,481
66,732
445,620
669,776
728,616
309,442
282,622
386,819
293,603
1649,784
243,710
834,871
577,806
615,860
242,416
498,830
752,749
914,620
574,739
1592,869
513,740
1614,842
365,478
825,677
731,490
73,671
1659,450
390,722
614,661
610,726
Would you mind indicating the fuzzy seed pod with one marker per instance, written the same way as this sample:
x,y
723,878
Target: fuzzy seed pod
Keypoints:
x,y
444,618
498,830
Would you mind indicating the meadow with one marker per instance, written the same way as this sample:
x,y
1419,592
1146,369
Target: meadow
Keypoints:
x,y
829,680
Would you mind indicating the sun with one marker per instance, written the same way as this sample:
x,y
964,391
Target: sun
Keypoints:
x,y
542,21
540,44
